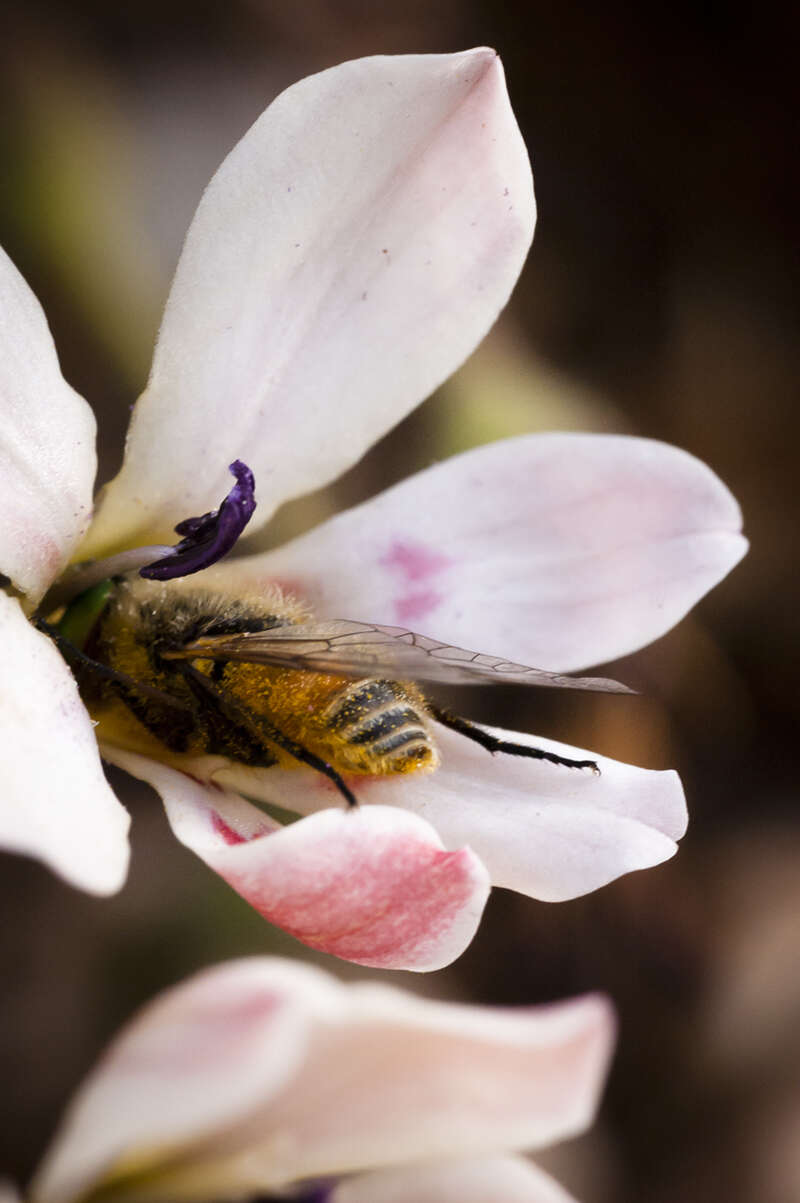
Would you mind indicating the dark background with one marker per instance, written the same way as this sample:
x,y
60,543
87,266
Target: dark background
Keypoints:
x,y
657,300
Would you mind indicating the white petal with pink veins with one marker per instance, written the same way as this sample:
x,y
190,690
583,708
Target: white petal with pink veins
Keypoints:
x,y
55,803
556,550
490,1180
371,885
348,255
47,456
262,1072
545,830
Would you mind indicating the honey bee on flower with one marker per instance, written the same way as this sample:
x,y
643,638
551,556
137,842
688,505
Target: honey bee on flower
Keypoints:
x,y
256,680
290,341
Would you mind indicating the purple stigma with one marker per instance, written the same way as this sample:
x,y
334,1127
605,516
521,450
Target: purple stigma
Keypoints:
x,y
210,537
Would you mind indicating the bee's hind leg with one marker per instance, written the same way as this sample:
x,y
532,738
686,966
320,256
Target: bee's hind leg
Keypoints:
x,y
276,736
261,728
492,744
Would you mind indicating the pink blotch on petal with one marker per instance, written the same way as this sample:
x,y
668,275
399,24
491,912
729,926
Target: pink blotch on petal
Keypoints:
x,y
417,606
414,561
228,834
408,899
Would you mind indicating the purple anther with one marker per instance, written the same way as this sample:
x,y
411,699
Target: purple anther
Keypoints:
x,y
319,1193
310,1192
210,537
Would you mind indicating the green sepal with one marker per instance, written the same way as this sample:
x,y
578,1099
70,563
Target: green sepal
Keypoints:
x,y
83,613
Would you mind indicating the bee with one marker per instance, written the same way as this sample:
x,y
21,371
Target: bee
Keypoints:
x,y
259,681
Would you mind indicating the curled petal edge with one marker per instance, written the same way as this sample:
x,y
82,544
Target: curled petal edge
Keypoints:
x,y
373,885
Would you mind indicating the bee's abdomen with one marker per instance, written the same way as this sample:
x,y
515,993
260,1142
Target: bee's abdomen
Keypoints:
x,y
383,725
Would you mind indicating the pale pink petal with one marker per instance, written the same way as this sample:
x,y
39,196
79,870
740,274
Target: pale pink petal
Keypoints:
x,y
349,254
488,1180
399,1079
369,885
55,803
554,550
542,829
47,456
199,1058
260,1073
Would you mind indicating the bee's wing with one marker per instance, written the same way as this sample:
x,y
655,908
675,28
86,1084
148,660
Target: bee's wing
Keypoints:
x,y
360,649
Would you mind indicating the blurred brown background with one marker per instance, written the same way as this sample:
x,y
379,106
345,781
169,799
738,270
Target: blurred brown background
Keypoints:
x,y
657,300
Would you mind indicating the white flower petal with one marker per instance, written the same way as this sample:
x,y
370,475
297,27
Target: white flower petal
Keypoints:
x,y
555,550
55,802
413,1079
349,254
199,1058
201,1097
47,456
490,1180
546,830
373,885
541,829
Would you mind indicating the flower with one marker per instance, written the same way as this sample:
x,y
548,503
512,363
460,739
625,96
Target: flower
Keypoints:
x,y
349,253
261,1074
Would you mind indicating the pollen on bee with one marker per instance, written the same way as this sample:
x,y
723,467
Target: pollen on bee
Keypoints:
x,y
254,712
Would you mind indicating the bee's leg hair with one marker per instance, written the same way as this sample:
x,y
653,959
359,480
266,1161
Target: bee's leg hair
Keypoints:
x,y
492,744
261,728
125,685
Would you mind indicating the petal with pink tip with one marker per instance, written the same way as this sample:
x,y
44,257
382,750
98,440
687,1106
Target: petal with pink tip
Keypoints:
x,y
348,255
47,456
510,1179
55,803
292,1075
371,885
541,829
554,550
